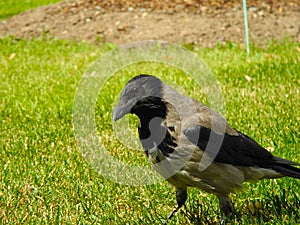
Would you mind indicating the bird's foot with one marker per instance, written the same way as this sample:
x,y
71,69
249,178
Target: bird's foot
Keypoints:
x,y
171,215
223,220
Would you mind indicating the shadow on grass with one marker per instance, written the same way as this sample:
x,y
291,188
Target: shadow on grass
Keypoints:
x,y
273,208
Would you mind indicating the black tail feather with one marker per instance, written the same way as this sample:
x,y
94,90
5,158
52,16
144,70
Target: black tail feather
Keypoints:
x,y
285,161
287,170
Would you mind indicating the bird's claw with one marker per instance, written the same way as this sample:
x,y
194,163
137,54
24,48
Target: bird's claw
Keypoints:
x,y
171,215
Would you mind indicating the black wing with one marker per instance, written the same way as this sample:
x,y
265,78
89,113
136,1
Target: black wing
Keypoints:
x,y
241,150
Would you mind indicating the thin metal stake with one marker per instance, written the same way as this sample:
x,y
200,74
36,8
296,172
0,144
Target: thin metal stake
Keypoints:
x,y
246,26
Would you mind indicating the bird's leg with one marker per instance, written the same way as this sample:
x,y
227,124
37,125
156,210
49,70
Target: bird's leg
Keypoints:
x,y
226,208
181,196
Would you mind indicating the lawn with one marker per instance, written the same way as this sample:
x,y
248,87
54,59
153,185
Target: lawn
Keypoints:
x,y
13,7
44,178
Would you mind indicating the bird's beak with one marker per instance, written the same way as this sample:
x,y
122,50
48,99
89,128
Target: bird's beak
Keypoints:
x,y
119,112
122,109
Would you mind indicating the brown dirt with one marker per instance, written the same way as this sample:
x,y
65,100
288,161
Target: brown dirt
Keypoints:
x,y
203,22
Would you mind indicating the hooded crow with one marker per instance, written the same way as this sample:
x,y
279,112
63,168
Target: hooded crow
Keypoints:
x,y
191,145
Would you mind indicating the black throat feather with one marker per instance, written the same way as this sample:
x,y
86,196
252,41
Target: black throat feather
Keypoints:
x,y
152,112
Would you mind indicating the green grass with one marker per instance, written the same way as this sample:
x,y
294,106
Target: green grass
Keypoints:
x,y
13,7
45,180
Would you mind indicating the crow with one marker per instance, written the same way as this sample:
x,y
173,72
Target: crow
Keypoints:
x,y
191,145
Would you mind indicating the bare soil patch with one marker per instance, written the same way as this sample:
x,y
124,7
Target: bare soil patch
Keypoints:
x,y
184,21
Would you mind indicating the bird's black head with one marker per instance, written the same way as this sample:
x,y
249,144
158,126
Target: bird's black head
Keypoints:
x,y
141,95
